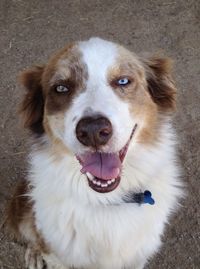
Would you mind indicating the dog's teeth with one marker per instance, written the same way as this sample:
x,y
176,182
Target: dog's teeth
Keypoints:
x,y
98,183
91,177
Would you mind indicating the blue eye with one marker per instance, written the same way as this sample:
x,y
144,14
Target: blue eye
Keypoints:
x,y
61,88
123,81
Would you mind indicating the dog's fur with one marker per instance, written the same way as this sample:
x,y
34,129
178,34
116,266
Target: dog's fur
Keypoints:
x,y
61,218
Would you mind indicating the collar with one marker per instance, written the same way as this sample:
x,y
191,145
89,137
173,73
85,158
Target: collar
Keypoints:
x,y
139,198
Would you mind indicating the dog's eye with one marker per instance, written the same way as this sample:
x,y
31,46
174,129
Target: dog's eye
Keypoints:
x,y
123,81
61,88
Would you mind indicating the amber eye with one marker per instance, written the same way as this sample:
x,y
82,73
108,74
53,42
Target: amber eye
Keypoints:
x,y
123,81
61,88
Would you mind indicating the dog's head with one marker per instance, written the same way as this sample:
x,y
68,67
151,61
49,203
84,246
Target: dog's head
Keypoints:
x,y
95,99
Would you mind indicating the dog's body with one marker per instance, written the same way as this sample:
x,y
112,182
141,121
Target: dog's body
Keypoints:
x,y
103,97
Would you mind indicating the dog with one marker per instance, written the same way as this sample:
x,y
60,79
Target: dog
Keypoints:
x,y
102,178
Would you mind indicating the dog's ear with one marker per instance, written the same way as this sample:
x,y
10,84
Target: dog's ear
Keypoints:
x,y
160,83
32,106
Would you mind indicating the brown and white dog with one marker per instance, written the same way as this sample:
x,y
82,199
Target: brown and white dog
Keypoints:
x,y
103,136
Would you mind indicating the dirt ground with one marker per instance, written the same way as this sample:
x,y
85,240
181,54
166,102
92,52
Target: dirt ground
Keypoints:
x,y
31,30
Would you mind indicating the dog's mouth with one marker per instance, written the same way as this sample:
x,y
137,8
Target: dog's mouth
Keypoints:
x,y
103,170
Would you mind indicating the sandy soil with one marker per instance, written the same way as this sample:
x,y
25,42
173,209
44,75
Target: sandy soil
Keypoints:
x,y
31,30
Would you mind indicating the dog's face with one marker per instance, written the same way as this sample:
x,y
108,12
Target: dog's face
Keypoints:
x,y
95,99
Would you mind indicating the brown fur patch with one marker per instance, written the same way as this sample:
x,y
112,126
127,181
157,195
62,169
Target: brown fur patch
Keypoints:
x,y
32,105
160,83
141,105
66,69
19,206
42,107
41,81
151,92
20,217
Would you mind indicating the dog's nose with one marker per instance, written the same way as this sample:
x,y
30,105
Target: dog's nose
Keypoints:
x,y
94,131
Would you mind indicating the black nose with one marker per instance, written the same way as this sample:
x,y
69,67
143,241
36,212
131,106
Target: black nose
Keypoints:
x,y
94,131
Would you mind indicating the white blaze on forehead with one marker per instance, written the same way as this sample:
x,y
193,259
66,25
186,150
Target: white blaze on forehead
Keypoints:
x,y
98,55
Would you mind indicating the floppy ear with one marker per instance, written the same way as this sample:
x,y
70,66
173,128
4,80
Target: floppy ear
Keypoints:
x,y
160,83
32,105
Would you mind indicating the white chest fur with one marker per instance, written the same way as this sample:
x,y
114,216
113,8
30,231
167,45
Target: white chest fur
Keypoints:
x,y
91,230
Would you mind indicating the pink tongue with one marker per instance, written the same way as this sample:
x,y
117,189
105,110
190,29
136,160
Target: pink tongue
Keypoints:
x,y
102,165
